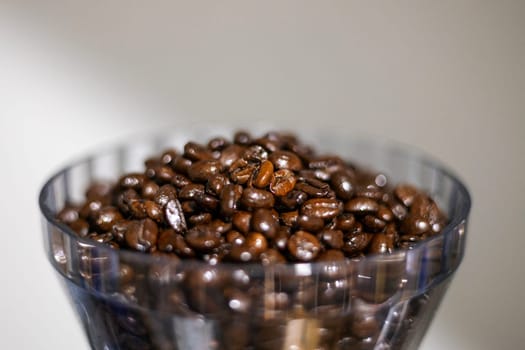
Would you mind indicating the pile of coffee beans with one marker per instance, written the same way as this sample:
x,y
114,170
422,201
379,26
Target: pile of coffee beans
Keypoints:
x,y
268,199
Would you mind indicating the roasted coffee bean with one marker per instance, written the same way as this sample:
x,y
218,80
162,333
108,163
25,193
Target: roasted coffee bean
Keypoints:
x,y
312,191
196,152
414,225
149,190
80,226
141,235
264,222
345,222
191,191
179,180
310,223
122,200
230,155
106,217
255,198
106,238
136,209
332,238
181,165
218,143
242,138
294,199
175,216
361,205
285,160
342,185
242,221
171,241
207,202
270,144
256,243
398,209
384,213
303,246
241,253
68,215
372,192
381,244
406,193
230,196
126,274
263,175
160,173
280,241
189,207
331,255
235,238
373,223
241,171
282,182
133,181
99,190
220,226
255,153
165,194
203,238
323,208
216,183
289,218
153,211
168,156
202,170
356,242
201,218
325,162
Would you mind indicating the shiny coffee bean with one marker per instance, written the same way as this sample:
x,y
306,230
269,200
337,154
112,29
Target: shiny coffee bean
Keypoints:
x,y
384,213
342,185
289,218
230,154
241,220
345,222
201,218
171,241
191,191
202,170
235,238
309,223
241,171
218,143
106,217
68,215
303,246
356,242
242,138
141,235
216,183
263,175
181,165
99,190
264,222
255,153
311,190
361,205
168,156
282,182
196,152
324,162
203,238
149,190
272,256
165,194
179,180
160,173
80,226
294,199
373,223
153,211
406,193
132,181
323,208
332,238
280,241
381,244
256,243
331,255
285,160
229,199
175,216
255,198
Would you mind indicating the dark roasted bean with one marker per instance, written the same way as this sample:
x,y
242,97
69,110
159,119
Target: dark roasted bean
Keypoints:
x,y
136,209
241,220
289,218
263,175
133,181
191,191
100,191
361,205
381,244
312,191
153,211
303,246
280,240
218,143
175,215
230,155
241,171
310,223
323,208
371,191
201,218
141,235
80,226
181,165
373,223
325,162
398,209
293,199
202,170
149,190
216,183
285,160
356,242
196,152
235,238
264,222
106,217
406,193
384,213
171,241
241,253
282,182
332,238
242,138
342,185
256,243
271,256
160,173
414,225
68,215
189,207
229,199
165,194
168,156
207,202
345,222
203,238
255,153
179,180
255,198
331,255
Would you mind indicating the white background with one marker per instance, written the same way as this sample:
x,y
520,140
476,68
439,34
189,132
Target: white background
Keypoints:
x,y
447,76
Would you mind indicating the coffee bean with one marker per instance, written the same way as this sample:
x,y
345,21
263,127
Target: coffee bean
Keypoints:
x,y
168,156
342,185
384,213
175,216
331,255
256,243
345,222
381,244
106,217
255,198
153,211
80,226
293,199
230,155
332,238
241,171
310,223
179,180
272,256
132,181
160,173
356,242
218,143
282,182
255,153
201,218
68,215
181,164
191,191
373,223
323,208
285,160
149,190
303,246
263,175
312,191
203,238
141,235
361,205
230,196
289,218
196,152
235,238
406,193
216,183
242,138
324,162
264,222
280,241
171,241
206,201
202,170
165,194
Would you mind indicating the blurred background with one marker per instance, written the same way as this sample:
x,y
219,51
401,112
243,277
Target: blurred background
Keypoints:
x,y
447,77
